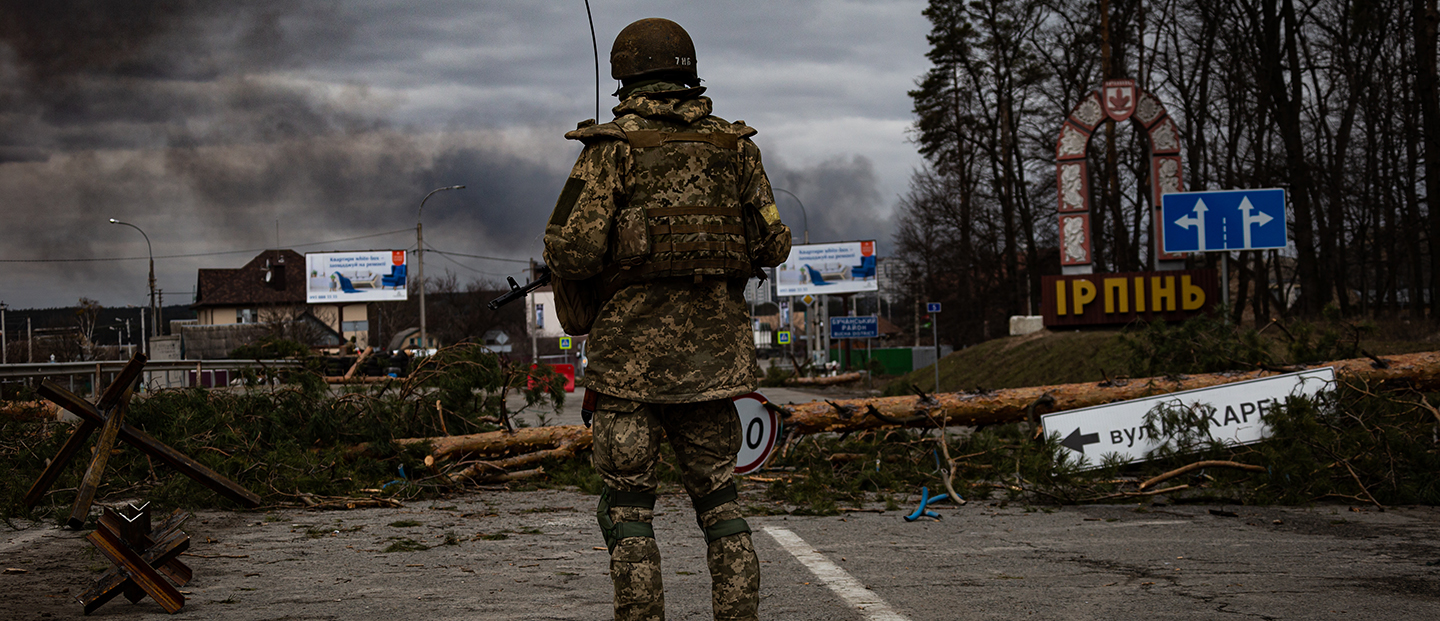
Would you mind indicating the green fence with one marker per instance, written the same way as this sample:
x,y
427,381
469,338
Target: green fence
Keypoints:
x,y
897,360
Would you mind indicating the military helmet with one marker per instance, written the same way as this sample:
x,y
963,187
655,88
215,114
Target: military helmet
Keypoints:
x,y
652,46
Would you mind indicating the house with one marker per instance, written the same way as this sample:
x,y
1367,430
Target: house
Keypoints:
x,y
270,290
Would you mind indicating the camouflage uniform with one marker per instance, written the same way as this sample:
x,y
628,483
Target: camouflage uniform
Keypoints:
x,y
666,354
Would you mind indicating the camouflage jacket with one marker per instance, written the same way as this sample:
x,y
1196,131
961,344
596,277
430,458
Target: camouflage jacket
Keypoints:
x,y
669,340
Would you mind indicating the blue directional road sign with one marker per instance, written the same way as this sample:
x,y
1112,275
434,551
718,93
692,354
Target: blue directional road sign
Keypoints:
x,y
854,327
932,307
1224,220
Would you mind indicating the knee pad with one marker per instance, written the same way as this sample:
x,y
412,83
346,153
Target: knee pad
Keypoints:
x,y
723,528
615,531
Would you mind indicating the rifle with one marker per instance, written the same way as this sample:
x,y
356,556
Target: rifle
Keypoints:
x,y
516,291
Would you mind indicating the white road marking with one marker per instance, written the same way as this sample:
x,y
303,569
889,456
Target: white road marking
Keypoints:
x,y
839,581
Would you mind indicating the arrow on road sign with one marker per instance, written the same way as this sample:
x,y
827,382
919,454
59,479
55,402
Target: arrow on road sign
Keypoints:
x,y
1077,442
1197,220
1259,219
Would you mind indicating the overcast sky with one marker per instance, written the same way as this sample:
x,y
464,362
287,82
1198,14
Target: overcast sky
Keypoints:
x,y
205,123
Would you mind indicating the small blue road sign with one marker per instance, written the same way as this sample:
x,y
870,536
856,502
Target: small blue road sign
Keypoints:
x,y
783,338
565,342
1224,220
932,307
854,327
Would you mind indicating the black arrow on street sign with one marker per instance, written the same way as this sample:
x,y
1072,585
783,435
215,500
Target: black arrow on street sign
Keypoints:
x,y
1077,442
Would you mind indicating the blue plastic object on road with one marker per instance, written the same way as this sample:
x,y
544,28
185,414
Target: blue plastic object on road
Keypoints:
x,y
925,499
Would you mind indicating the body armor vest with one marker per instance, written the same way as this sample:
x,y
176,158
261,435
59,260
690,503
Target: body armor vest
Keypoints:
x,y
684,216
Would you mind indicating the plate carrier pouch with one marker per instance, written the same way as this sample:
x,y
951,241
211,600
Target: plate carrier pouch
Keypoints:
x,y
684,217
578,302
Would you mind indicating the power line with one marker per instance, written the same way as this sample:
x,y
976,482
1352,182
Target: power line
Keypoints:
x,y
476,256
447,258
204,254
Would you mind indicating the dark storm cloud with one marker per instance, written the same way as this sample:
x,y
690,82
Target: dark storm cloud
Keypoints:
x,y
206,122
181,117
840,197
507,197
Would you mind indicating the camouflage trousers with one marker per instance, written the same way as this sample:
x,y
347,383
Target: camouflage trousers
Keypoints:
x,y
705,437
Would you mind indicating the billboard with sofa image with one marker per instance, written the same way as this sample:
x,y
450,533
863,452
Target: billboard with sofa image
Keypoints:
x,y
823,269
344,277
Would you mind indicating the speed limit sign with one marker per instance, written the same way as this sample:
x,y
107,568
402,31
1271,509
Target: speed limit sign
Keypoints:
x,y
759,429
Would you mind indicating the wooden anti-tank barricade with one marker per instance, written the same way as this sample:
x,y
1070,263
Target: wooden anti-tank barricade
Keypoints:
x,y
143,556
108,415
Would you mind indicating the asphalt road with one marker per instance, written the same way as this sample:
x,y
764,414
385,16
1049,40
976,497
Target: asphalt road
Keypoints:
x,y
531,555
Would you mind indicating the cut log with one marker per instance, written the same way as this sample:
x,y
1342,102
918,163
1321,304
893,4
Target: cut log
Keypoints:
x,y
827,380
1420,371
359,360
523,440
29,411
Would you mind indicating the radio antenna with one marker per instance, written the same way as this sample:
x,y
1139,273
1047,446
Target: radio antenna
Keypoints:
x,y
596,46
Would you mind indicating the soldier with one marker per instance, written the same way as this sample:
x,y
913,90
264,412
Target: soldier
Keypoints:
x,y
665,215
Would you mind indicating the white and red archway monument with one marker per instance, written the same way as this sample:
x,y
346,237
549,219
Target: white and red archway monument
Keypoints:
x,y
1118,100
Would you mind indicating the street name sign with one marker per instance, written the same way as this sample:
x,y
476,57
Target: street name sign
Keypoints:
x,y
1233,411
1224,220
854,327
759,429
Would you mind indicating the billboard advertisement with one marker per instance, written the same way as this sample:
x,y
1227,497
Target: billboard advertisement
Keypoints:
x,y
344,277
823,269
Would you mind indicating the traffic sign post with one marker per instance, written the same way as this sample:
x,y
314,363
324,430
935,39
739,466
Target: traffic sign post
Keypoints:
x,y
934,309
1233,412
865,327
1225,220
759,430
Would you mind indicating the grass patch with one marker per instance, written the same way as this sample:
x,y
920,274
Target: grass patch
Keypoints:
x,y
405,524
1200,345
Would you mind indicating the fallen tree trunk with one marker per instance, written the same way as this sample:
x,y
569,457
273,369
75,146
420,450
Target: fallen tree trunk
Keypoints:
x,y
29,411
526,446
825,380
525,440
1420,371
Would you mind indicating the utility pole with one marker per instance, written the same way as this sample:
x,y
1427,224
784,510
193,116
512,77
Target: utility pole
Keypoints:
x,y
534,322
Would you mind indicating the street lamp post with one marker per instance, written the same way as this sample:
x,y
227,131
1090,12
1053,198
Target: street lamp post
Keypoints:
x,y
154,312
810,343
420,257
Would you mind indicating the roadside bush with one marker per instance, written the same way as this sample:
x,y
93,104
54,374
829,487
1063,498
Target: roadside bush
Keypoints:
x,y
302,437
774,377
